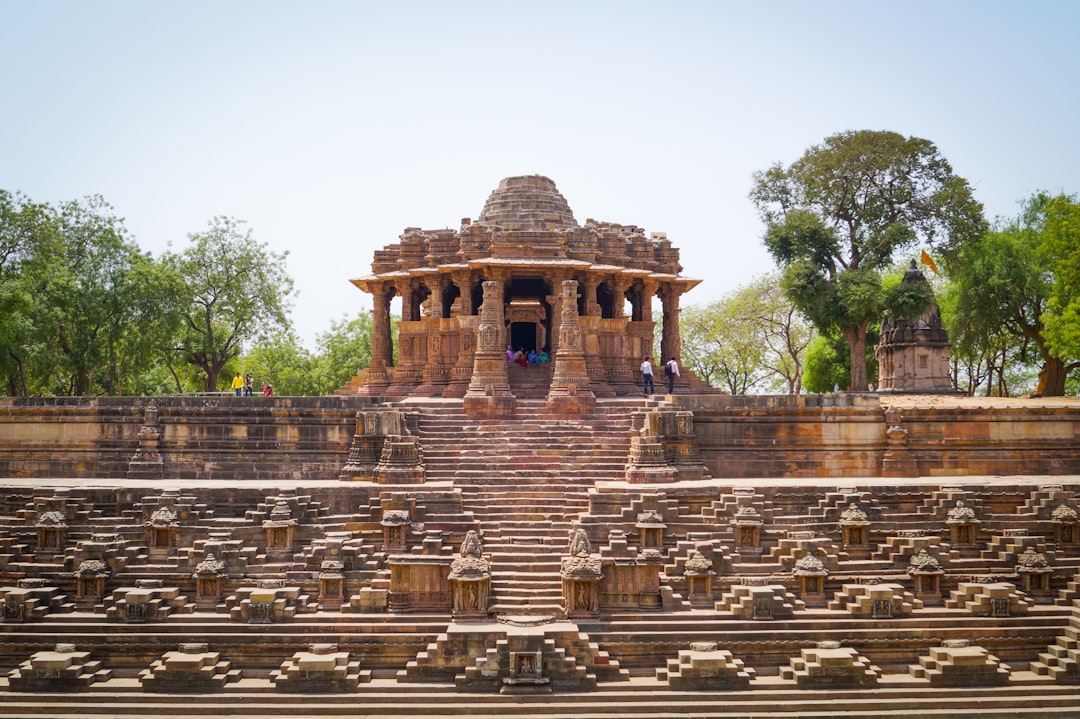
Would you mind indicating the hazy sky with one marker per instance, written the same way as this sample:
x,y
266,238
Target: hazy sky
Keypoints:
x,y
331,126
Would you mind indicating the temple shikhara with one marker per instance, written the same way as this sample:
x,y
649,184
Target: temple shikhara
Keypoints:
x,y
458,534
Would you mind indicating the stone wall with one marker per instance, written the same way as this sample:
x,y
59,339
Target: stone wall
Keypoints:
x,y
842,435
218,437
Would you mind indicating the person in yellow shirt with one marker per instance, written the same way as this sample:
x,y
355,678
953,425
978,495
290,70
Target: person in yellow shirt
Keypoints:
x,y
238,384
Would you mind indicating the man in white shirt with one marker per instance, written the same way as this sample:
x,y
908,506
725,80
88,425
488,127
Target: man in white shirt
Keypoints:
x,y
647,385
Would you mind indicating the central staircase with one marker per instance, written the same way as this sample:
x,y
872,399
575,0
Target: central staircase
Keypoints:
x,y
525,480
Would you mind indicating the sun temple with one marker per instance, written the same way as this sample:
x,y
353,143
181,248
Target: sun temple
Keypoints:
x,y
458,534
523,248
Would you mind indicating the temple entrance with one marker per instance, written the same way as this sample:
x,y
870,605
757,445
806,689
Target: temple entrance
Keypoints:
x,y
523,336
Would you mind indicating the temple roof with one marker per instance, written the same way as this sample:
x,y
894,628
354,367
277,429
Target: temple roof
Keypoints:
x,y
528,203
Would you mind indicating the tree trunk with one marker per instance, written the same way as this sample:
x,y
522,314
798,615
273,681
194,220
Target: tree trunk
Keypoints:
x,y
856,339
1051,379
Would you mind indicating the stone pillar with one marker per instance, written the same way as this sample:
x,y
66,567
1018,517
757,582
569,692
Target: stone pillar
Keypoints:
x,y
670,341
382,352
464,283
570,392
619,287
588,287
489,389
648,290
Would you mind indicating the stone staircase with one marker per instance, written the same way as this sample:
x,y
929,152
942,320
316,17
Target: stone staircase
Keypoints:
x,y
522,479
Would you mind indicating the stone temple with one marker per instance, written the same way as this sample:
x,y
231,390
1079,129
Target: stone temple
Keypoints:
x,y
455,534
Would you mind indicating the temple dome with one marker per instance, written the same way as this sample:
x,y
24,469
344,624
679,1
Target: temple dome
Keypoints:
x,y
528,203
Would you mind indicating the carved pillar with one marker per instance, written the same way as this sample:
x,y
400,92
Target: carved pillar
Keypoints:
x,y
489,389
464,283
570,391
619,287
670,341
588,290
648,291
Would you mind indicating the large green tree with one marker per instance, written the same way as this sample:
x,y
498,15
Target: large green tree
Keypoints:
x,y
837,216
236,288
1016,279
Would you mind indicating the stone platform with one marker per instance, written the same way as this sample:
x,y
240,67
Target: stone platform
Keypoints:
x,y
599,594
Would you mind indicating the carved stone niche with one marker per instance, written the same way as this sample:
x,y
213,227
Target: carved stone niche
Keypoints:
x,y
651,526
962,525
926,572
855,528
280,529
747,524
811,573
394,522
1034,572
90,582
331,584
1066,523
470,580
51,532
208,580
699,579
162,530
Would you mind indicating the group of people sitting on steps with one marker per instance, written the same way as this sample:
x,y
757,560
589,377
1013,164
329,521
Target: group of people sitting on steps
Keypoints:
x,y
532,358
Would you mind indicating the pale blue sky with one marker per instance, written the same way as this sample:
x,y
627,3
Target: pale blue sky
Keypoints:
x,y
331,126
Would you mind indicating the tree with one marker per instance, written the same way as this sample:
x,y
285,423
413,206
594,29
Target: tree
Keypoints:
x,y
836,217
751,339
1006,280
721,346
343,351
236,288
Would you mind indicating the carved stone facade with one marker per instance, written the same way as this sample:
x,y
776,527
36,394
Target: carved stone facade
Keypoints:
x,y
526,242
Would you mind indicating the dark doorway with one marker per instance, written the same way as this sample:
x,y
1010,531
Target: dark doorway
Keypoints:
x,y
523,335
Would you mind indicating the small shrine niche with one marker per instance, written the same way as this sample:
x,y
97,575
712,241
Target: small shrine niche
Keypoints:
x,y
162,530
331,584
208,577
699,575
925,571
581,575
1034,572
90,581
1065,521
51,532
747,524
280,528
651,526
855,529
526,668
470,580
394,523
962,525
811,573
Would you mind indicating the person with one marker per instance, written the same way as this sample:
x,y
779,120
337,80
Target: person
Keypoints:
x,y
509,353
519,357
534,359
238,384
248,384
268,390
544,357
647,386
671,371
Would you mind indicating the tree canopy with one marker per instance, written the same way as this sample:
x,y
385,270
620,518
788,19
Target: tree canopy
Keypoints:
x,y
236,288
839,214
1019,279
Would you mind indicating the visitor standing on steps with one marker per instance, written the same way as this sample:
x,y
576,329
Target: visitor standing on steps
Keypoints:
x,y
647,386
238,384
671,371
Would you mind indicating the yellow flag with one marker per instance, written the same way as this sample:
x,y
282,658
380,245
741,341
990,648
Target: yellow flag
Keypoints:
x,y
929,262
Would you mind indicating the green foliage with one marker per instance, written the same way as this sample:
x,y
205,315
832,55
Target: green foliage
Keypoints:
x,y
1005,282
837,216
1060,249
235,288
826,365
752,339
906,299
